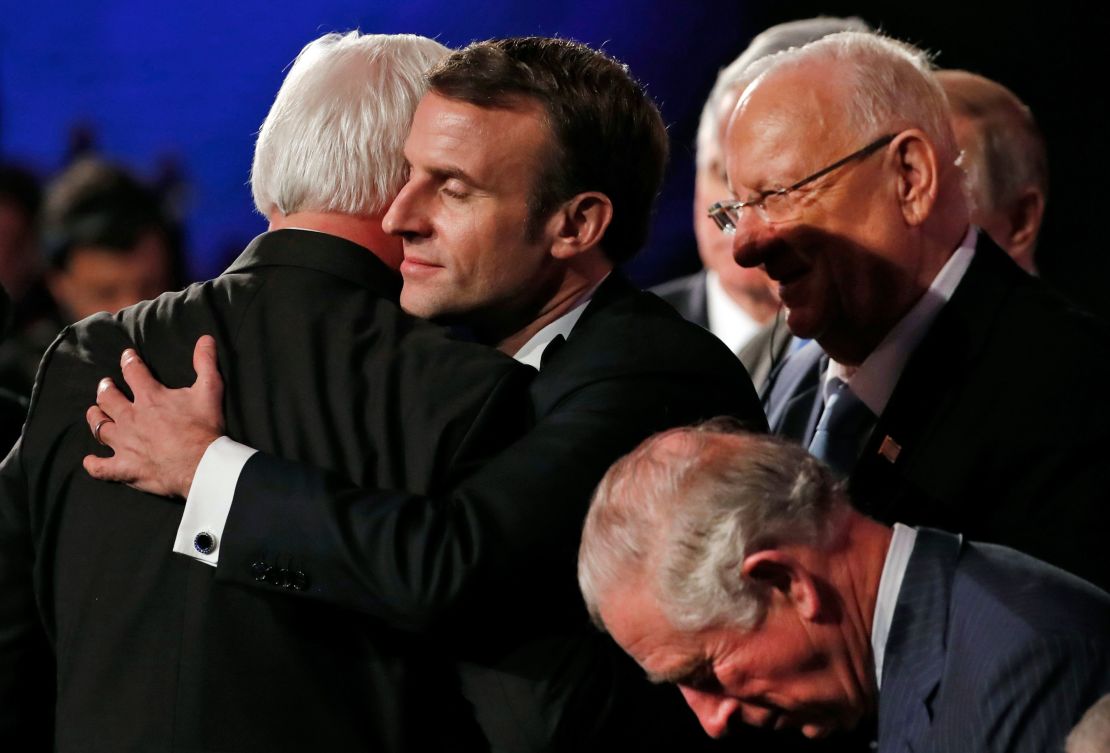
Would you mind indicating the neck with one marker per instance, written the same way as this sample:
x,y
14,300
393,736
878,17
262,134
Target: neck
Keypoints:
x,y
575,278
366,231
863,550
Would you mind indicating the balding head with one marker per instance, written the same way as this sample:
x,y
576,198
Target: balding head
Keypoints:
x,y
1004,158
860,244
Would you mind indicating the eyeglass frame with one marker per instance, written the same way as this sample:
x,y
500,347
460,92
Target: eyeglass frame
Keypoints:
x,y
719,211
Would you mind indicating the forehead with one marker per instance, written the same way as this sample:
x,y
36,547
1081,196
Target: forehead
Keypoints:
x,y
489,142
635,621
784,123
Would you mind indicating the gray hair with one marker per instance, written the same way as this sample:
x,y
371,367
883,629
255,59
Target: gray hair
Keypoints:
x,y
681,512
1011,152
333,139
890,83
734,77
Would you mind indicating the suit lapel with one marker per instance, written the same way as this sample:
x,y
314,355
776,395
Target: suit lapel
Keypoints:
x,y
915,649
792,398
930,384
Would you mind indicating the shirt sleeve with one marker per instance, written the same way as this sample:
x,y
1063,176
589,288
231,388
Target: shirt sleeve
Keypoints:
x,y
209,501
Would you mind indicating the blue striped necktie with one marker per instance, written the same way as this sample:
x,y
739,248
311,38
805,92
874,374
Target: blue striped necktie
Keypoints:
x,y
842,429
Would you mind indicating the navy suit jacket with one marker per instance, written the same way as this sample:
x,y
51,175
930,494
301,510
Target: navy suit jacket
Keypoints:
x,y
998,427
989,650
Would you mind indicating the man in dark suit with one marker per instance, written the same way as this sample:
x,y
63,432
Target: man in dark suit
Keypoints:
x,y
957,392
517,237
110,642
734,566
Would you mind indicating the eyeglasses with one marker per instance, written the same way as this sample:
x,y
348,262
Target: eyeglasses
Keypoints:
x,y
777,205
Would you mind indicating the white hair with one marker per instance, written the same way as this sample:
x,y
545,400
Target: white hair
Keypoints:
x,y
735,76
333,139
890,85
681,512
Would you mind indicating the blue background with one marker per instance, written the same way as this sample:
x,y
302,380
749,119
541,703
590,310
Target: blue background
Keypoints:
x,y
188,84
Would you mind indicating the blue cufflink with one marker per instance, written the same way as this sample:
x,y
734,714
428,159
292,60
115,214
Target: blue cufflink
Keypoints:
x,y
204,542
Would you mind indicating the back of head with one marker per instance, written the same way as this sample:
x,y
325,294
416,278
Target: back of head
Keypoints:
x,y
95,203
607,134
683,510
1004,150
1092,734
735,76
333,139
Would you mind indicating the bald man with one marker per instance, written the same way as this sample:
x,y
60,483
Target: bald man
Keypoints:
x,y
1003,154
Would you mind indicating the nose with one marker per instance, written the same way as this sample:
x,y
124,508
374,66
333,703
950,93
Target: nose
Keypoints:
x,y
406,216
751,240
712,709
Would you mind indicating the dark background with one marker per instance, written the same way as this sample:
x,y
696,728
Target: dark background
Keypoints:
x,y
178,91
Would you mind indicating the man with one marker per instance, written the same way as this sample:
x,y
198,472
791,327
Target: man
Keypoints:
x,y
1004,157
734,566
735,303
130,647
533,165
842,157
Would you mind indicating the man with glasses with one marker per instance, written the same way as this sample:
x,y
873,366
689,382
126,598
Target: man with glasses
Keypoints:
x,y
919,387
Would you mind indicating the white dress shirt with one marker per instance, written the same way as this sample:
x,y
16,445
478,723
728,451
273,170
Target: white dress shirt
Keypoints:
x,y
217,474
727,320
890,584
874,380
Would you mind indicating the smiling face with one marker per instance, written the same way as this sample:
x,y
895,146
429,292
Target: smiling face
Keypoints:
x,y
471,248
847,268
786,673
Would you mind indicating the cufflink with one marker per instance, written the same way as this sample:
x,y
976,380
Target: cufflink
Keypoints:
x,y
204,542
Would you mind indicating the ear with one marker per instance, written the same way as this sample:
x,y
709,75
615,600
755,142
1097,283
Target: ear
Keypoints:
x,y
1024,222
779,571
579,224
915,160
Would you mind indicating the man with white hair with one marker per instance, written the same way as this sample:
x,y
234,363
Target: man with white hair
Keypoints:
x,y
108,640
842,164
735,303
1005,161
734,566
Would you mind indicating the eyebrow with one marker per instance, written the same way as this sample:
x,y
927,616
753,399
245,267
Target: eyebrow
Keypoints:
x,y
448,173
694,673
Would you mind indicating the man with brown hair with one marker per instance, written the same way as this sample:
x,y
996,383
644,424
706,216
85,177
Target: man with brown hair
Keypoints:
x,y
533,166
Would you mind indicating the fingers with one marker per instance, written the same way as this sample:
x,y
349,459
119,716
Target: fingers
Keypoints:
x,y
105,469
113,402
206,366
137,375
101,425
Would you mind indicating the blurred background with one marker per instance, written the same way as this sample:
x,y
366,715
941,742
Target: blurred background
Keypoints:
x,y
176,91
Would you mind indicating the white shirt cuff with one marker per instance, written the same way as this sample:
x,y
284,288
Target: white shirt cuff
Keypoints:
x,y
209,502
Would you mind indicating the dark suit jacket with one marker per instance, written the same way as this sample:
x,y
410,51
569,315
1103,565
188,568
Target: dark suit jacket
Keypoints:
x,y
759,355
490,568
990,650
319,364
1002,417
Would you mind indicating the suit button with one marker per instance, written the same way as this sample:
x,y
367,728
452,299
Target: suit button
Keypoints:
x,y
204,542
260,570
300,580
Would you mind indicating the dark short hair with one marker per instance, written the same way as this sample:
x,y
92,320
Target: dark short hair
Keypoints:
x,y
608,134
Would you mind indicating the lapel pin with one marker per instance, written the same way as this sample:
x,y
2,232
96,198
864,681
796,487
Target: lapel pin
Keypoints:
x,y
890,449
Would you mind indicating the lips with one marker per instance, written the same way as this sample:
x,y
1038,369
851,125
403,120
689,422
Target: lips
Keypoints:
x,y
416,266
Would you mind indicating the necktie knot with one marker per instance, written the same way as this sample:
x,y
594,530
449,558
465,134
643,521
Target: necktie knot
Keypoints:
x,y
843,428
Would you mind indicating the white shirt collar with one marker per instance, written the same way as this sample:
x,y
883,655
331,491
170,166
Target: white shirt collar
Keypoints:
x,y
875,379
890,584
531,353
727,320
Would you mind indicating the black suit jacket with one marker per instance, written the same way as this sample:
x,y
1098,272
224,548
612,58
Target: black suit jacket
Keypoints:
x,y
989,650
760,355
490,568
999,426
319,364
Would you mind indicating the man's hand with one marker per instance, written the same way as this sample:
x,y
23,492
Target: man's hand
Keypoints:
x,y
159,439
